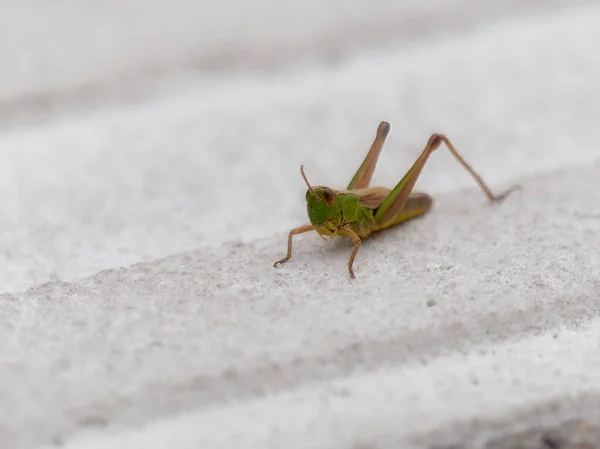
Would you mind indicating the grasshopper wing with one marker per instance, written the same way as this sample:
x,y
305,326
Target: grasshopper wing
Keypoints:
x,y
362,178
371,197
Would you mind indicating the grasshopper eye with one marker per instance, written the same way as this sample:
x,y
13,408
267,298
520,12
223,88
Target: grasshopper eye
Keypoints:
x,y
328,196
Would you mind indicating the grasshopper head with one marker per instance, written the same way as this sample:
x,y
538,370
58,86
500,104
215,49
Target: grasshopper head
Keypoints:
x,y
320,202
322,205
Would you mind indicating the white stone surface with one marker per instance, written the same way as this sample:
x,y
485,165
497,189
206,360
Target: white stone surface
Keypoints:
x,y
55,50
189,337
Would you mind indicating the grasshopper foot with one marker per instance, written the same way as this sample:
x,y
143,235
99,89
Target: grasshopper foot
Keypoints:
x,y
284,260
503,195
351,271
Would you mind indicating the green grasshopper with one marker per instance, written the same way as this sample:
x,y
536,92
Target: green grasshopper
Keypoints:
x,y
361,210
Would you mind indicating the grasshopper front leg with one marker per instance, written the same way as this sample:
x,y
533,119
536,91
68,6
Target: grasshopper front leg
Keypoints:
x,y
293,232
357,243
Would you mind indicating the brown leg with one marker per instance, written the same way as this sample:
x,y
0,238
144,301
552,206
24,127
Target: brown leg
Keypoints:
x,y
482,184
357,243
294,232
395,201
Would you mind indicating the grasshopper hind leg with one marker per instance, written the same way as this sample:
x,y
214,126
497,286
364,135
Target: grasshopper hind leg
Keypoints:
x,y
418,204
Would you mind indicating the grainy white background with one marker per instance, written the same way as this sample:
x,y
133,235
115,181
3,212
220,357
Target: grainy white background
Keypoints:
x,y
171,135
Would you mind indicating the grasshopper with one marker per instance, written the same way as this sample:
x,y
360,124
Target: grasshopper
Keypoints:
x,y
361,210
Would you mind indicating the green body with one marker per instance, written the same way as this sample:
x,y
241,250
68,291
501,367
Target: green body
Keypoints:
x,y
344,212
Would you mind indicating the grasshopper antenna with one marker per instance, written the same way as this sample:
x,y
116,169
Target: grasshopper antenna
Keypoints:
x,y
308,183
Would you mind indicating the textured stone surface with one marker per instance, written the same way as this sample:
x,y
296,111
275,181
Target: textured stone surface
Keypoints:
x,y
140,305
